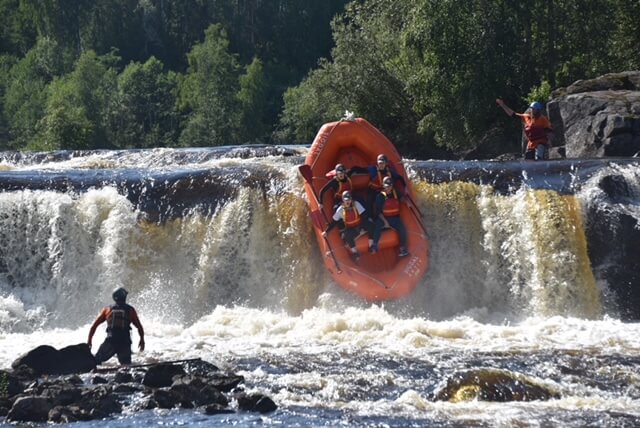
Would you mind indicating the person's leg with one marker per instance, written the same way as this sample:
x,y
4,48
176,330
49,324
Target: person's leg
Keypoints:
x,y
398,225
540,152
350,234
530,154
370,207
105,352
124,353
377,232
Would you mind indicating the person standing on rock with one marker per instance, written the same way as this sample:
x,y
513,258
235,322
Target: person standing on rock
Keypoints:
x,y
119,318
537,128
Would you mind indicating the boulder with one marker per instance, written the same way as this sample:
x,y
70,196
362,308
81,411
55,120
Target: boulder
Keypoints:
x,y
30,409
256,403
46,359
487,384
161,375
598,117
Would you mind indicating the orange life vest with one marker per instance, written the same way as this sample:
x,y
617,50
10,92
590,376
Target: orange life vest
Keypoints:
x,y
391,207
343,186
350,216
535,128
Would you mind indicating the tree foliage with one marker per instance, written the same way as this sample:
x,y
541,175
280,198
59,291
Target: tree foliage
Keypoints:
x,y
149,73
429,71
76,106
208,92
143,111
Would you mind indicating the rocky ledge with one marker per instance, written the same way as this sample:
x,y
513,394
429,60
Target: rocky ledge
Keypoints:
x,y
65,386
598,117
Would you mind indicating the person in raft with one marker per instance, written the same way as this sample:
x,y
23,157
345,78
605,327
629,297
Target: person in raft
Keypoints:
x,y
537,128
377,173
340,183
119,318
388,209
350,215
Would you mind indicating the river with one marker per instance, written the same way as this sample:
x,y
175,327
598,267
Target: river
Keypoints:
x,y
216,249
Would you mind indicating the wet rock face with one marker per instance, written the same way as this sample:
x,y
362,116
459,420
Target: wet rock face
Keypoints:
x,y
598,117
613,235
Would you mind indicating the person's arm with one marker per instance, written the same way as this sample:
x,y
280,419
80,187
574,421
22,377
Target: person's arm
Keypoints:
x,y
332,184
337,216
504,107
101,318
328,229
136,321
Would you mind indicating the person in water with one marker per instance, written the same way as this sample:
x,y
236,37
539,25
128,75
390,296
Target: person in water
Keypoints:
x,y
377,173
388,209
350,215
119,318
537,128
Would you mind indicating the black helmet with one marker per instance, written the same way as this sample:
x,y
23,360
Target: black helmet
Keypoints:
x,y
346,195
382,158
388,181
120,295
340,167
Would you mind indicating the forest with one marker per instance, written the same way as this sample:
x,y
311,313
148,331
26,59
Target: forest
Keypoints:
x,y
119,74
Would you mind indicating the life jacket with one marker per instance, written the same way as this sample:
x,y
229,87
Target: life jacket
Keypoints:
x,y
376,183
342,187
391,207
350,216
119,321
536,130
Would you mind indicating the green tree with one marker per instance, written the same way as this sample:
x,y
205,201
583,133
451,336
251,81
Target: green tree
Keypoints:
x,y
25,96
17,30
253,97
77,106
208,93
143,113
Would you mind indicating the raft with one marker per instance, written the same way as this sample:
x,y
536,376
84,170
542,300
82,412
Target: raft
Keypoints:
x,y
375,277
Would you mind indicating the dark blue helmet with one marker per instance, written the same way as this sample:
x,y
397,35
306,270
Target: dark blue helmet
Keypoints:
x,y
120,295
536,105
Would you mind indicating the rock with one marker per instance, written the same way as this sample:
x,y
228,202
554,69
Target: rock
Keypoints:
x,y
598,117
198,391
256,403
69,399
46,359
492,385
161,375
30,409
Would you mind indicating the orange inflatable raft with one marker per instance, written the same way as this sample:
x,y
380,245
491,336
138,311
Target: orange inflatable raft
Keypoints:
x,y
383,275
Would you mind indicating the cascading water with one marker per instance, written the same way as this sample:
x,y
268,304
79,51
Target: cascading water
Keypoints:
x,y
217,252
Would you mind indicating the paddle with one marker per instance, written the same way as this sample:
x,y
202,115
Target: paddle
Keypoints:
x,y
317,216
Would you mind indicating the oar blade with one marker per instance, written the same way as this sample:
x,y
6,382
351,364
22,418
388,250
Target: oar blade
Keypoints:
x,y
306,172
